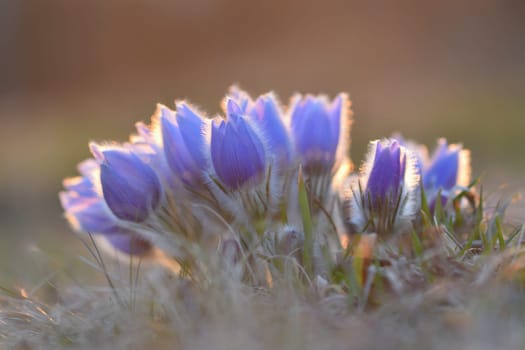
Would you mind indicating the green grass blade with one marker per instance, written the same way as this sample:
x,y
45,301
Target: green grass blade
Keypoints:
x,y
306,216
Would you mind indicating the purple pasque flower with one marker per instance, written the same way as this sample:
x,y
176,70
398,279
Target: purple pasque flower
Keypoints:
x,y
148,144
130,187
237,152
419,151
268,117
241,97
449,167
385,195
386,175
84,205
87,211
318,129
183,140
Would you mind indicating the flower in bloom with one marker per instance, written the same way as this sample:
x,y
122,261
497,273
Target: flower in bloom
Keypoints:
x,y
319,130
266,114
87,211
385,194
130,187
184,142
237,152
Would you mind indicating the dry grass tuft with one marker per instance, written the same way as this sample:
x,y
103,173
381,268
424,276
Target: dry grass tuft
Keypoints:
x,y
479,304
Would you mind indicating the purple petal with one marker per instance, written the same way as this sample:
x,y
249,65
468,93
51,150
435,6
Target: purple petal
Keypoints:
x,y
130,187
387,173
266,114
241,97
443,170
315,127
232,108
88,214
236,151
183,142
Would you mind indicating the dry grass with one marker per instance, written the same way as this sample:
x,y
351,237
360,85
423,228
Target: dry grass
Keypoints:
x,y
456,279
473,302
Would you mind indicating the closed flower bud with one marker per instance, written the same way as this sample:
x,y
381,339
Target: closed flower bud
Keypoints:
x,y
319,130
420,151
449,167
87,211
84,206
237,152
385,195
184,143
266,114
386,175
130,187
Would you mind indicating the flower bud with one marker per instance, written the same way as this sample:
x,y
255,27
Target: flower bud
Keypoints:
x,y
183,142
385,195
84,206
237,152
87,211
268,117
386,175
130,187
318,130
449,167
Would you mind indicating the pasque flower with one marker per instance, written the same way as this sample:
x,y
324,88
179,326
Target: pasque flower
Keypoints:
x,y
130,187
184,142
267,115
87,211
85,207
449,167
386,175
385,194
237,151
259,188
147,142
319,130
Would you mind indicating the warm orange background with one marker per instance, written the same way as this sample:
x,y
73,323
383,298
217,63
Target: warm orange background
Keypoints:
x,y
72,71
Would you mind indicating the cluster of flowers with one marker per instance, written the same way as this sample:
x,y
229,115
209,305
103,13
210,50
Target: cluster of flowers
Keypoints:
x,y
190,178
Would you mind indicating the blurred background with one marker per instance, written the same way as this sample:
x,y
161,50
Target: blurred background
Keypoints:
x,y
75,71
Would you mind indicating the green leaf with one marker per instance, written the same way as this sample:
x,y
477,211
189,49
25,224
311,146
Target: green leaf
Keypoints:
x,y
439,213
513,235
499,233
417,246
479,212
306,216
424,202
